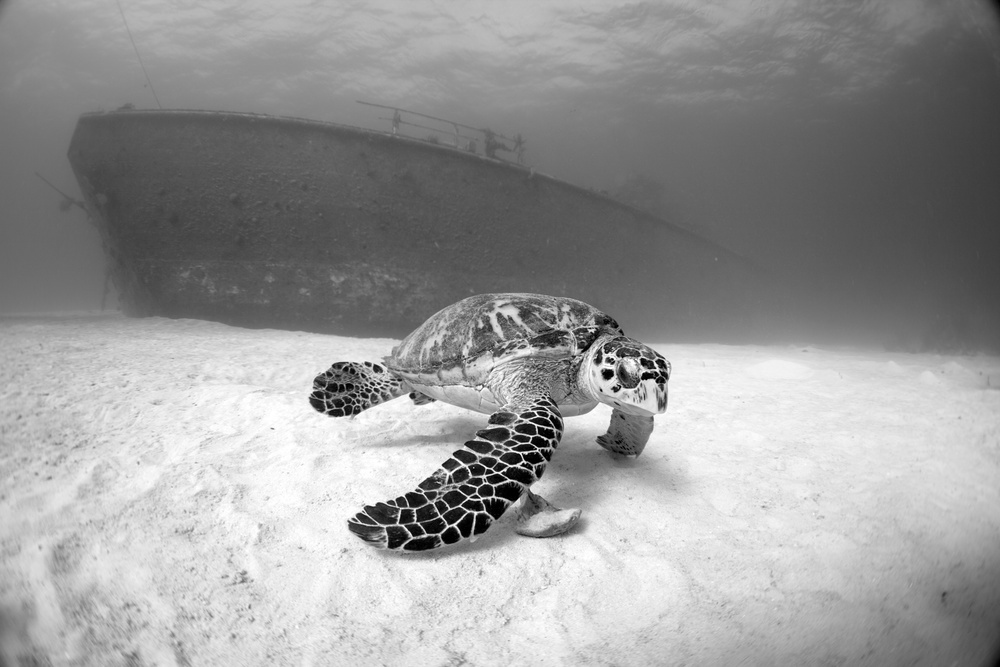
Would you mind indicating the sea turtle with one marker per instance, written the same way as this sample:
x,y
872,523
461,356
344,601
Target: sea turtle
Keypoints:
x,y
527,360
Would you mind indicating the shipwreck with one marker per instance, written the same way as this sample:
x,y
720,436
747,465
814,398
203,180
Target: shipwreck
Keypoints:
x,y
265,221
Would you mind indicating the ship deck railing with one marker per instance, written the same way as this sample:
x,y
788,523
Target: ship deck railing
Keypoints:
x,y
493,142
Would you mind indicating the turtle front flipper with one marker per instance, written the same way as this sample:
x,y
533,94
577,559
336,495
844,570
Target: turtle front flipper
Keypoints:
x,y
349,388
627,434
473,488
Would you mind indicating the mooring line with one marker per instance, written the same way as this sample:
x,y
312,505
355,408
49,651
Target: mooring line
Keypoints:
x,y
136,49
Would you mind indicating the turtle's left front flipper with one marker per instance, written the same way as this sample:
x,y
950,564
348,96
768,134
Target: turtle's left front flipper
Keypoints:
x,y
473,488
627,434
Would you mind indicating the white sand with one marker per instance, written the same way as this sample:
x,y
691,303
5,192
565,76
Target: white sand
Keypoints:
x,y
168,497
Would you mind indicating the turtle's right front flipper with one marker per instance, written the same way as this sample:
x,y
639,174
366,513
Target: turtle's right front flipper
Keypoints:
x,y
473,488
349,388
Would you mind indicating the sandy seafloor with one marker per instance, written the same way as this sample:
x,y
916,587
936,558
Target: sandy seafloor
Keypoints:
x,y
168,497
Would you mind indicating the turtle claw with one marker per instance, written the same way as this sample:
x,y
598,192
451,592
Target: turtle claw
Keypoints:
x,y
540,518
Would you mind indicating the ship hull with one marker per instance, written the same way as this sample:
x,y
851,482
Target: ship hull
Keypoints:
x,y
264,221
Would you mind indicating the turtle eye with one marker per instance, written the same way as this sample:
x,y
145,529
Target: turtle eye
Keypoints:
x,y
629,372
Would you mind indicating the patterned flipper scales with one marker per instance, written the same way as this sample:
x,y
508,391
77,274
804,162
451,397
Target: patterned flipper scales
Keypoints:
x,y
349,388
473,488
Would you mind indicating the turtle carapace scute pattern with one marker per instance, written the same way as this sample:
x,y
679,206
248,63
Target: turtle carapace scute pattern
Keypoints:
x,y
527,360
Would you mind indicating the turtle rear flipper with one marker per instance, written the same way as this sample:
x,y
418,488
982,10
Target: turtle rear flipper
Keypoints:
x,y
349,388
473,488
421,399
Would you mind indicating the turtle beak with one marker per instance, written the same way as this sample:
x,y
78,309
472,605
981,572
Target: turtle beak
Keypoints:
x,y
657,403
645,402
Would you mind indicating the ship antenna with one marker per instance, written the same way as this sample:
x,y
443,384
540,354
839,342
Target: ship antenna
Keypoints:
x,y
134,48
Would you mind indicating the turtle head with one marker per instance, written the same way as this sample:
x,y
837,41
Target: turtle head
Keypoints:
x,y
625,374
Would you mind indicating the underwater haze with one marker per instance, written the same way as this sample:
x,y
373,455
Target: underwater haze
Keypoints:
x,y
852,148
829,495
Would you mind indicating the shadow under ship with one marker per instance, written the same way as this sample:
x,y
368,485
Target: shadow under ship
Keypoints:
x,y
264,221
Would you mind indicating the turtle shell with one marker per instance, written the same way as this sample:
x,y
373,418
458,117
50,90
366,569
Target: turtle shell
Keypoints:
x,y
462,342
